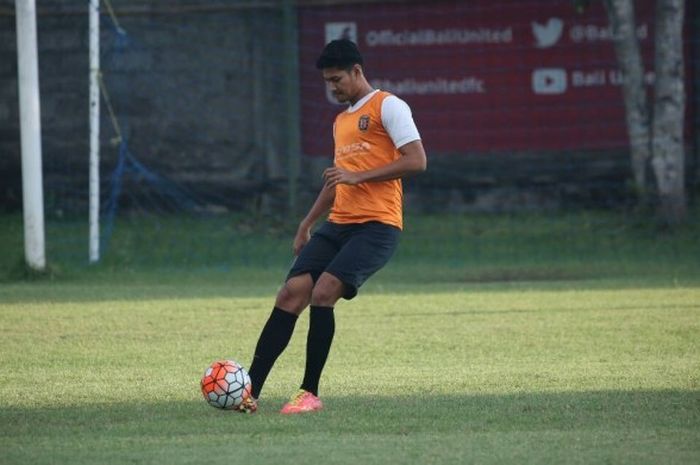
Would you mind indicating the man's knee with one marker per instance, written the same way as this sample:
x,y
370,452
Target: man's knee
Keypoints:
x,y
327,291
295,294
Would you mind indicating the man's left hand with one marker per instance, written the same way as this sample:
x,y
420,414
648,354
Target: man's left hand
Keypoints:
x,y
335,175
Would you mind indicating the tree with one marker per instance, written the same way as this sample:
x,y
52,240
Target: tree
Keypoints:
x,y
655,130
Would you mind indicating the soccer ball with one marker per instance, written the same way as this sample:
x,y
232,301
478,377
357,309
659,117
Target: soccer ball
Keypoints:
x,y
225,385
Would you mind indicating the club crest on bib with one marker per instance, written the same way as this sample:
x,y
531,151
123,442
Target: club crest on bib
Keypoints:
x,y
363,123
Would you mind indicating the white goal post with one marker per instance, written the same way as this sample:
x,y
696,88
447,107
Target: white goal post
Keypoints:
x,y
30,135
94,241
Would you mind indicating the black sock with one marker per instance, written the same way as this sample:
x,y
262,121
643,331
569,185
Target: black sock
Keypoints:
x,y
273,340
318,344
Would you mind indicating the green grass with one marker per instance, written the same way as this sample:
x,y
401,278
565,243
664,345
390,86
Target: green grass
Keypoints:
x,y
440,248
477,375
487,340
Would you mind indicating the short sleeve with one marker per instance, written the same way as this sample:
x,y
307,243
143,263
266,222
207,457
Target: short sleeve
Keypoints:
x,y
398,121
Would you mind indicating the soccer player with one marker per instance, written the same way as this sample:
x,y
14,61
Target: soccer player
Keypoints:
x,y
376,144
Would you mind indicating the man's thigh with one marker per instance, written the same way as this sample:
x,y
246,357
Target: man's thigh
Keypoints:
x,y
365,253
317,254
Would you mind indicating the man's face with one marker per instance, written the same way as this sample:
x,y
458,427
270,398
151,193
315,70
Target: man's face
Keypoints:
x,y
342,83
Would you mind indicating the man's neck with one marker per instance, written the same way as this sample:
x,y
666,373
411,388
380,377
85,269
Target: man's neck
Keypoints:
x,y
366,90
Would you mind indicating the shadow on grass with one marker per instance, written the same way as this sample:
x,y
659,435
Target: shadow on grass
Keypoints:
x,y
526,274
519,311
22,272
233,286
380,415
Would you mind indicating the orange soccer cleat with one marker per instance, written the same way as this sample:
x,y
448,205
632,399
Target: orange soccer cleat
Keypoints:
x,y
303,401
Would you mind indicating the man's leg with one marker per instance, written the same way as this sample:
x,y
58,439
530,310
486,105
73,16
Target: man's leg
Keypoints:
x,y
325,294
369,248
327,291
291,301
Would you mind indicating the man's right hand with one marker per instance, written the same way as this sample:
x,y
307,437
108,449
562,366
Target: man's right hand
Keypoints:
x,y
301,238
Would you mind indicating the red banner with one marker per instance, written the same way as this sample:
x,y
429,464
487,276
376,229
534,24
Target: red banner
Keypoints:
x,y
480,76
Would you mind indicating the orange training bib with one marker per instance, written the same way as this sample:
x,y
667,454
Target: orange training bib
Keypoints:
x,y
361,144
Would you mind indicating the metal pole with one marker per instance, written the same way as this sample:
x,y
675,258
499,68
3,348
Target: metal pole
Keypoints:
x,y
30,132
94,131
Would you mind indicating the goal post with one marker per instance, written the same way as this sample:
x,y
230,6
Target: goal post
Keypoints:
x,y
94,241
30,135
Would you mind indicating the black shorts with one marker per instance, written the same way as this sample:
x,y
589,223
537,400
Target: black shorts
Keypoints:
x,y
350,252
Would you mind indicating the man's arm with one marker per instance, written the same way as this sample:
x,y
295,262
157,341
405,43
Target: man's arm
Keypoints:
x,y
323,203
412,161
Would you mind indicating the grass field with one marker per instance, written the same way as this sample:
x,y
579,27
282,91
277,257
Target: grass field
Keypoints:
x,y
487,340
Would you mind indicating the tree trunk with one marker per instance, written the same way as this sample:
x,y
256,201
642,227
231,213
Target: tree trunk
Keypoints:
x,y
622,21
669,111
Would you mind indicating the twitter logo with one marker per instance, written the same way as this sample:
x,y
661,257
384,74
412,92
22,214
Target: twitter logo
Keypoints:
x,y
548,34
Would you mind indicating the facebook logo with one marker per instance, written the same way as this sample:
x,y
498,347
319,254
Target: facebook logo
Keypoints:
x,y
549,81
341,31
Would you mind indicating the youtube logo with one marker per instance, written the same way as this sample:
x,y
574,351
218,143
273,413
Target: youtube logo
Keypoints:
x,y
549,81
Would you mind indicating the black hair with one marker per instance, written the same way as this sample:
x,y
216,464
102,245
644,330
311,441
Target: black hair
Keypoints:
x,y
341,54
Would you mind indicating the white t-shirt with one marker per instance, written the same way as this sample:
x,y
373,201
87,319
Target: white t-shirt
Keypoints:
x,y
396,118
